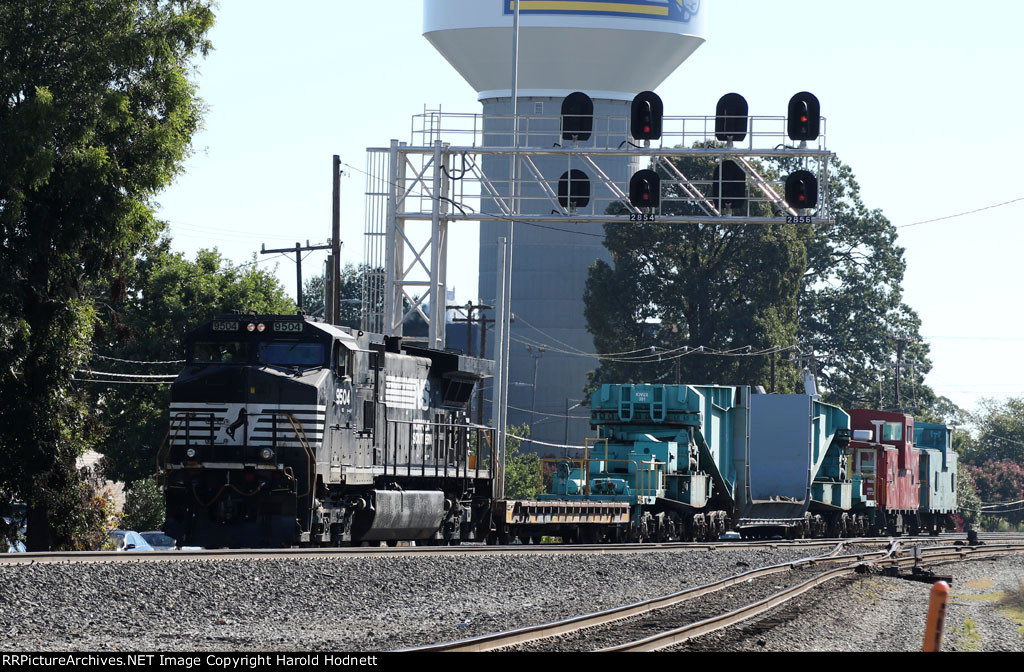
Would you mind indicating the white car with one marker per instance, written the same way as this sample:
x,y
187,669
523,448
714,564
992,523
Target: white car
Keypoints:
x,y
128,540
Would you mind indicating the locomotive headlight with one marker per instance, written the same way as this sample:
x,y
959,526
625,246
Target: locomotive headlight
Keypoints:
x,y
261,327
251,327
190,453
267,454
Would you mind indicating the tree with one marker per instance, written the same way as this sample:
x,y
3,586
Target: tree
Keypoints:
x,y
350,293
1000,432
720,286
144,507
832,289
164,298
522,471
851,308
97,110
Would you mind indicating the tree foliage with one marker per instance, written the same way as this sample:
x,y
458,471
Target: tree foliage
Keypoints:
x,y
999,428
851,305
165,297
97,110
831,289
522,470
350,293
144,507
719,286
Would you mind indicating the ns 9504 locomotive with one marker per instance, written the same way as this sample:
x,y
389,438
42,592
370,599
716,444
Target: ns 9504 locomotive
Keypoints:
x,y
287,431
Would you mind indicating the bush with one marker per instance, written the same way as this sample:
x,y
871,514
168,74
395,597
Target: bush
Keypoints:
x,y
144,507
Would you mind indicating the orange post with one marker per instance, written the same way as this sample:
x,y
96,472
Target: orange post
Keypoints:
x,y
936,616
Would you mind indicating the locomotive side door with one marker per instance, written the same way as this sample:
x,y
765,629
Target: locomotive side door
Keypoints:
x,y
341,404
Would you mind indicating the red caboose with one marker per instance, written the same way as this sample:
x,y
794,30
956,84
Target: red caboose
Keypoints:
x,y
887,464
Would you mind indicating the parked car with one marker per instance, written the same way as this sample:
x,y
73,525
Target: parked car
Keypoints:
x,y
159,541
164,542
128,540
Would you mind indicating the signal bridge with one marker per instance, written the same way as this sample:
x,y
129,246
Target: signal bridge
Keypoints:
x,y
574,172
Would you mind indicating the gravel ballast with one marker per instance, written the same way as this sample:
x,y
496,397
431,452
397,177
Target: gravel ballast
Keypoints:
x,y
384,603
346,603
879,613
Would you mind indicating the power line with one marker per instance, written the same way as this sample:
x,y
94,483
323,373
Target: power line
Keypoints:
x,y
127,375
118,382
960,214
136,361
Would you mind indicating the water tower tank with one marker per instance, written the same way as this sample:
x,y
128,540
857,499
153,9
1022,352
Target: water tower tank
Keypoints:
x,y
610,50
607,49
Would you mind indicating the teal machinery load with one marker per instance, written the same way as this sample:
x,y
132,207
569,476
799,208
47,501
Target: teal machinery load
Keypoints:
x,y
693,461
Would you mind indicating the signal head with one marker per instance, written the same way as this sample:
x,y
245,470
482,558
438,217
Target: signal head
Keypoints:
x,y
731,118
645,189
804,118
802,190
645,116
577,117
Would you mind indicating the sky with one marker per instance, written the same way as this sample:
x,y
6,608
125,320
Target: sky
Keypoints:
x,y
921,100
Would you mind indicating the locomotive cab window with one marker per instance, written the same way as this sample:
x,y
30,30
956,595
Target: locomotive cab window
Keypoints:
x,y
343,362
220,352
282,353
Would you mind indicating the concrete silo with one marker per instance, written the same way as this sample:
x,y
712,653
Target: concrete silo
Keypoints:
x,y
610,51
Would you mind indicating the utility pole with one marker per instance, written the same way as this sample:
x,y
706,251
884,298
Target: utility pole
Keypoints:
x,y
298,250
331,310
536,362
900,344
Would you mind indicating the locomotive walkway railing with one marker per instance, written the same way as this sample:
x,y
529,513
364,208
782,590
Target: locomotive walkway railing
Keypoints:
x,y
448,449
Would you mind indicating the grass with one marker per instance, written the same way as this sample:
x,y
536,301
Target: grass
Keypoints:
x,y
967,637
1011,605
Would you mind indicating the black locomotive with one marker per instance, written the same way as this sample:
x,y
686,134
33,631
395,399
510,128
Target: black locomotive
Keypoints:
x,y
288,431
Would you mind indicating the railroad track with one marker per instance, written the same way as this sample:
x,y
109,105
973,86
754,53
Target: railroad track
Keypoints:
x,y
480,549
675,618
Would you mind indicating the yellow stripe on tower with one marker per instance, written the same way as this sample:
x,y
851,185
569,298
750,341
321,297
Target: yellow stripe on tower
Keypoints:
x,y
582,6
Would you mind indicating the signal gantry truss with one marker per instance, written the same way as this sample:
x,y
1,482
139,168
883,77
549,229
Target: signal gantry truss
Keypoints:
x,y
416,191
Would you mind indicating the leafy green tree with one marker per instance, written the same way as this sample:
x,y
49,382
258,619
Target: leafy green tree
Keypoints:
x,y
97,110
522,470
851,305
144,507
999,427
832,288
350,293
719,286
967,500
164,298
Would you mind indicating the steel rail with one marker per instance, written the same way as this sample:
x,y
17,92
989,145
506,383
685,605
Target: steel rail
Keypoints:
x,y
679,635
499,640
329,552
504,639
52,557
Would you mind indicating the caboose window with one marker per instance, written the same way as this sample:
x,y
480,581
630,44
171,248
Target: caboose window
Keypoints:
x,y
291,354
893,431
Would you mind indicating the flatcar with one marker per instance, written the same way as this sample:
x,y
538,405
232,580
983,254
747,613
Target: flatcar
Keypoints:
x,y
288,431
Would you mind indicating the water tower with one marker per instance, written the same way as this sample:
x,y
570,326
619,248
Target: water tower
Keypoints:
x,y
610,51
